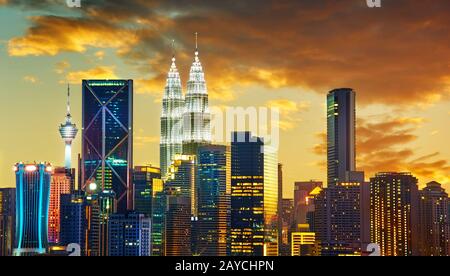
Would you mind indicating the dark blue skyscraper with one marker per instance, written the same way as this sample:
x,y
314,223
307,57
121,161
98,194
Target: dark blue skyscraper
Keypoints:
x,y
214,200
73,220
129,235
107,157
340,134
144,178
32,206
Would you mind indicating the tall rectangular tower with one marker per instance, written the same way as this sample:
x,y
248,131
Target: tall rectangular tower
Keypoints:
x,y
107,156
254,197
340,134
394,214
214,200
32,201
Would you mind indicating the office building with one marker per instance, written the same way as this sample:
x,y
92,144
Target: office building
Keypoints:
x,y
214,200
171,119
196,117
129,235
254,197
32,202
74,220
340,134
107,157
144,178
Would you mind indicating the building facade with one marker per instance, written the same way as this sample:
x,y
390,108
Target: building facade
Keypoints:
x,y
434,220
32,207
62,183
254,197
107,142
196,117
74,220
144,178
129,235
171,119
7,220
394,213
340,134
214,200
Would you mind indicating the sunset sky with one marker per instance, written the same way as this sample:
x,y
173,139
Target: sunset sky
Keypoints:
x,y
254,53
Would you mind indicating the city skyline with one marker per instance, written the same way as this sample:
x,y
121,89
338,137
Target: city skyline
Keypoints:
x,y
411,138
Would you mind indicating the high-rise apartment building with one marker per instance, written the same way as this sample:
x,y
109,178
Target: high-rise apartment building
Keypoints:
x,y
394,213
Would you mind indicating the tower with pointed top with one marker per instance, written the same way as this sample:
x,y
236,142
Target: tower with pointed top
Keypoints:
x,y
196,118
171,119
68,131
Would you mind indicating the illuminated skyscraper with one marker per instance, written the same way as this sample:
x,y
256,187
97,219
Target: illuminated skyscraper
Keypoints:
x,y
144,179
74,220
7,220
129,235
181,206
394,213
196,118
171,119
340,134
214,200
62,182
434,221
32,204
68,132
254,197
107,156
158,218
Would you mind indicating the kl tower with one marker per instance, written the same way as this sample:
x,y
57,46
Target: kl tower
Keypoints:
x,y
68,132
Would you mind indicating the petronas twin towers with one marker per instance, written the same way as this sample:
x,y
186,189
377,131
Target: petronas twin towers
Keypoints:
x,y
185,120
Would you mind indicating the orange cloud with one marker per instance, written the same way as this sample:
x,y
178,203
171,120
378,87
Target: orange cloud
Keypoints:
x,y
397,55
384,146
100,72
289,112
51,35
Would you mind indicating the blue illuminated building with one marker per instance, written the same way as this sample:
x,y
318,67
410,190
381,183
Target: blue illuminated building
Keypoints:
x,y
32,206
107,138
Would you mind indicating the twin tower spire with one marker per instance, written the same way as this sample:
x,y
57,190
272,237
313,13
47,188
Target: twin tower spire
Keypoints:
x,y
185,120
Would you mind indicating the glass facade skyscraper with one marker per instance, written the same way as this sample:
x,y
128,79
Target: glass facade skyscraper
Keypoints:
x,y
171,119
107,142
254,197
32,207
340,134
129,235
74,220
144,178
214,200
